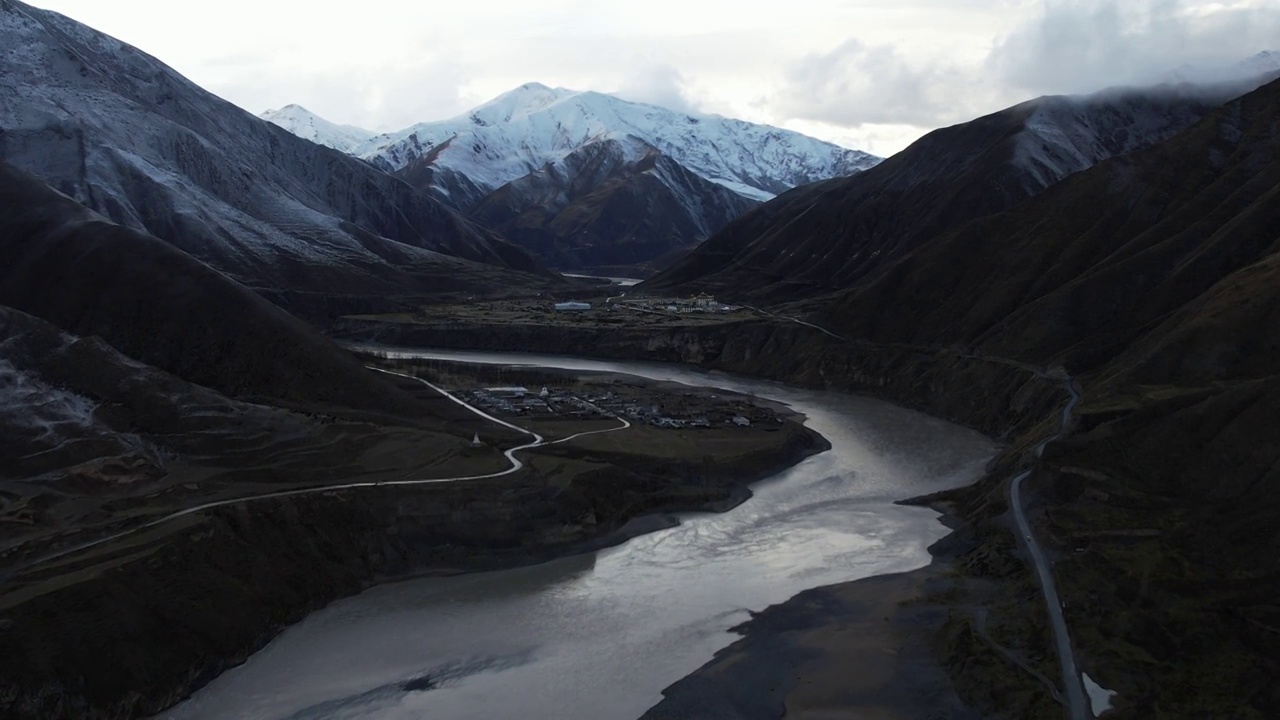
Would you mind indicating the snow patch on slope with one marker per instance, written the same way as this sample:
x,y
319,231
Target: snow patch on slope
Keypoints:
x,y
47,413
1066,134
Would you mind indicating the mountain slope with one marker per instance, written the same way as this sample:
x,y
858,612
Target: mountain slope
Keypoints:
x,y
522,130
127,136
610,203
64,264
1138,248
1155,279
826,237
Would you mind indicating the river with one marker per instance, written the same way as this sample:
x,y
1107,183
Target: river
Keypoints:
x,y
620,281
600,635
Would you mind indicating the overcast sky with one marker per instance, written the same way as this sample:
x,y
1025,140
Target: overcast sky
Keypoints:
x,y
871,74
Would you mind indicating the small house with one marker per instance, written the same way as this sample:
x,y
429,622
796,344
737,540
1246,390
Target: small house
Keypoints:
x,y
572,307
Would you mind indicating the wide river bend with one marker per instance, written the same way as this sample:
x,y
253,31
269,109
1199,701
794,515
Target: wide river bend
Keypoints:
x,y
600,635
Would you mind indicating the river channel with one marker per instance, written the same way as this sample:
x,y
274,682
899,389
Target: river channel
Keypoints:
x,y
600,635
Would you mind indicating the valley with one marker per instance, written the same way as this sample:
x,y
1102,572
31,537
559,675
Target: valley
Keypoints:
x,y
600,404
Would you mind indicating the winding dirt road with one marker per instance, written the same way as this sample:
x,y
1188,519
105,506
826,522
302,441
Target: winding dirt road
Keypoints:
x,y
516,465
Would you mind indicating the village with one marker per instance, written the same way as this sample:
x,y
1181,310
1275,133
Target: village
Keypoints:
x,y
700,303
674,411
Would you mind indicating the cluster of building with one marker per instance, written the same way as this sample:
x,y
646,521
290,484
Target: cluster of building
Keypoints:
x,y
519,400
700,303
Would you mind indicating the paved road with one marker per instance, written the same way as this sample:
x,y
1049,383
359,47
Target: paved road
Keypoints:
x,y
798,321
1077,708
515,466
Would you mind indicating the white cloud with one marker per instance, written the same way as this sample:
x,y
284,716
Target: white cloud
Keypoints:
x,y
660,85
879,71
855,84
1076,46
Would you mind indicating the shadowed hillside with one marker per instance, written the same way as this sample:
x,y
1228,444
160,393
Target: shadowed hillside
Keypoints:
x,y
607,205
829,236
63,263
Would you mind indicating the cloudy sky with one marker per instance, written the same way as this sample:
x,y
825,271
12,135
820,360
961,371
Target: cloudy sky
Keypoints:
x,y
871,74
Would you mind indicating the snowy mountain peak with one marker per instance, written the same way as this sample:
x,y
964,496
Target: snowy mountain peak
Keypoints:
x,y
309,126
514,104
533,125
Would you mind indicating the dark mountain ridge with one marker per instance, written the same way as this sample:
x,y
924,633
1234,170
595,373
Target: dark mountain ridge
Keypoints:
x,y
608,204
1142,246
826,237
90,277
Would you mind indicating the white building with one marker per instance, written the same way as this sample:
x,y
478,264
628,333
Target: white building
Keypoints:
x,y
507,392
572,306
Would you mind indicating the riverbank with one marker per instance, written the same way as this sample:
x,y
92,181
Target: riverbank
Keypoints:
x,y
858,650
133,625
890,647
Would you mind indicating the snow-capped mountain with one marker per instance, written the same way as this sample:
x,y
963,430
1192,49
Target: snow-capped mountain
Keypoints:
x,y
130,138
525,129
536,136
309,126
